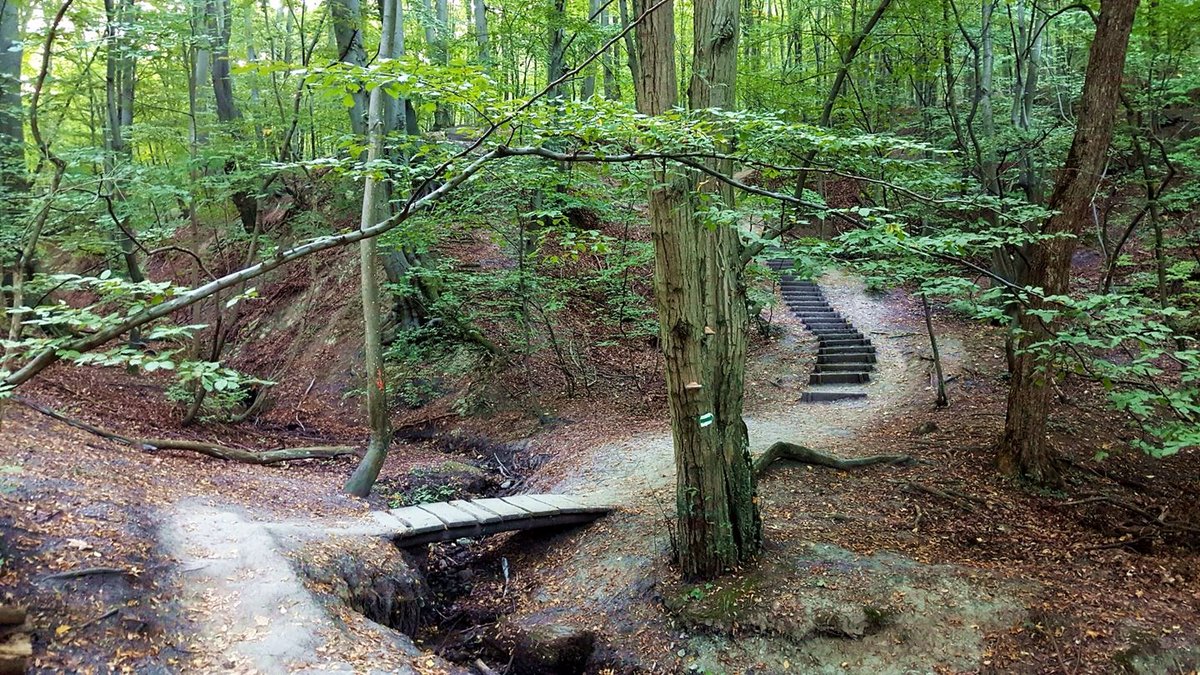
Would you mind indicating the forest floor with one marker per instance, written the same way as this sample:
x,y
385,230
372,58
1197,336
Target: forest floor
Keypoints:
x,y
939,566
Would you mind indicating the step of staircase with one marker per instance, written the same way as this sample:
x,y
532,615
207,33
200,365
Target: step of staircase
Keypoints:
x,y
829,325
843,367
839,378
836,340
847,357
828,396
851,349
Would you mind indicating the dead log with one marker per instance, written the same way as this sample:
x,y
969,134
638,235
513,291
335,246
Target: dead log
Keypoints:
x,y
15,653
803,455
201,447
10,615
15,645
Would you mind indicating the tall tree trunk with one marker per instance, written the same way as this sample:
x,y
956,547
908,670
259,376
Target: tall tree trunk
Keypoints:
x,y
588,89
437,25
119,96
348,34
481,33
556,52
987,119
219,29
631,50
612,90
12,119
374,210
702,313
1024,450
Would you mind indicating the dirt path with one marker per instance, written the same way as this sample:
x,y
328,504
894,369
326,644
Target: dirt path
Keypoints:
x,y
628,470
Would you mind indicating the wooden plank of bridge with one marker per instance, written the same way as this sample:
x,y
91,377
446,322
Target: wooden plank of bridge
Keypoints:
x,y
505,510
418,521
443,521
481,514
532,505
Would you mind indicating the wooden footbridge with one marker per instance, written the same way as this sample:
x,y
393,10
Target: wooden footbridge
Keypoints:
x,y
472,518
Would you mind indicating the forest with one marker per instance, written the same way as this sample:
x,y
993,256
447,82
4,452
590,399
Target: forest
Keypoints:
x,y
604,336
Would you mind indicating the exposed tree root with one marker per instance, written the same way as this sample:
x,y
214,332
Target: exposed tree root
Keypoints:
x,y
803,455
201,447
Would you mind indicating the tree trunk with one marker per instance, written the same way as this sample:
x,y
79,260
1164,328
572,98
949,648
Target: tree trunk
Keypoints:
x,y
588,89
481,33
12,119
983,92
631,50
119,96
611,90
374,210
556,53
219,24
347,32
702,313
941,400
1024,450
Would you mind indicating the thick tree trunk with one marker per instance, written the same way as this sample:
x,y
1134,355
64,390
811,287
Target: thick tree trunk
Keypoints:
x,y
1024,450
348,34
702,314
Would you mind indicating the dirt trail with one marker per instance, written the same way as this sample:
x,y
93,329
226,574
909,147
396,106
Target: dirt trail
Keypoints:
x,y
250,608
628,469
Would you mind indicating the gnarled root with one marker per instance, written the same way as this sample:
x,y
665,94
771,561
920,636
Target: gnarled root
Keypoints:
x,y
803,455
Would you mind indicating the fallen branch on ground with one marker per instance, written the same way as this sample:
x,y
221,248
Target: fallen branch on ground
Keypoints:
x,y
86,572
948,494
201,447
803,455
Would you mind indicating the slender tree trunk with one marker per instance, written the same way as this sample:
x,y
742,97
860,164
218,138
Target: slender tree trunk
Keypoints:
x,y
612,90
987,119
219,28
942,401
555,53
631,50
588,89
1024,450
119,98
481,33
374,210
